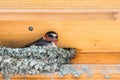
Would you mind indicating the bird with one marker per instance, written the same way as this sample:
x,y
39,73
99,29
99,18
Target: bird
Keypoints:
x,y
49,39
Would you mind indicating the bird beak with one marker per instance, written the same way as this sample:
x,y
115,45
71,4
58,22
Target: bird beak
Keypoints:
x,y
56,41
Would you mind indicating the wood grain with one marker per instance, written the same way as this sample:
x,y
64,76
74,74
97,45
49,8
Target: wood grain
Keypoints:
x,y
97,76
94,32
89,36
94,4
96,58
60,16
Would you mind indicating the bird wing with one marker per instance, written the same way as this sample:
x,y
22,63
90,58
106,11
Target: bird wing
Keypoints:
x,y
39,42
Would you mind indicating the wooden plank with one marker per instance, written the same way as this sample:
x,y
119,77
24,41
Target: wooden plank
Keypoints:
x,y
95,4
61,16
96,58
82,77
90,36
56,10
97,76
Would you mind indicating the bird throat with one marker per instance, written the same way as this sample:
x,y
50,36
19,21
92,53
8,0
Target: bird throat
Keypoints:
x,y
51,40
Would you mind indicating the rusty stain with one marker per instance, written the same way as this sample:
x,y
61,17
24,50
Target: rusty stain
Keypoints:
x,y
113,15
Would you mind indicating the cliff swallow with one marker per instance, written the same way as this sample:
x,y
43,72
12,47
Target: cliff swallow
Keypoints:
x,y
49,39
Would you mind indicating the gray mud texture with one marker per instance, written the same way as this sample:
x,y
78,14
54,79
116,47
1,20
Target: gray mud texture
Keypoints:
x,y
33,60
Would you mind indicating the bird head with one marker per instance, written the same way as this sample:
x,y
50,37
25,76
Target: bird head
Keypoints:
x,y
52,37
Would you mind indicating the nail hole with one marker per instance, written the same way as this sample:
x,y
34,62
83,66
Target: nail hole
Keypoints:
x,y
95,44
30,28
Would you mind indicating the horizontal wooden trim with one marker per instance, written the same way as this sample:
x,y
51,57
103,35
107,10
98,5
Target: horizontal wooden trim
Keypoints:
x,y
97,76
96,58
87,16
58,10
91,4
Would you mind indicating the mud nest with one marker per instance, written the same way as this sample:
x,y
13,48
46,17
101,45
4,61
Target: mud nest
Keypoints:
x,y
33,60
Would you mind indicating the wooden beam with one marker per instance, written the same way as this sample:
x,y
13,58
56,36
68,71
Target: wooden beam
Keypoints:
x,y
89,36
56,10
97,76
61,16
91,4
96,58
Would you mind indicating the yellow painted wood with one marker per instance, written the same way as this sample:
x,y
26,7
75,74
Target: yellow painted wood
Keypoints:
x,y
60,4
90,36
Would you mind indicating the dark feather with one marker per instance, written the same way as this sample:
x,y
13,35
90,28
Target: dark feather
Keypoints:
x,y
39,42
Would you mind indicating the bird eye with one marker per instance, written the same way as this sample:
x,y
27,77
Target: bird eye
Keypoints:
x,y
51,36
56,37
